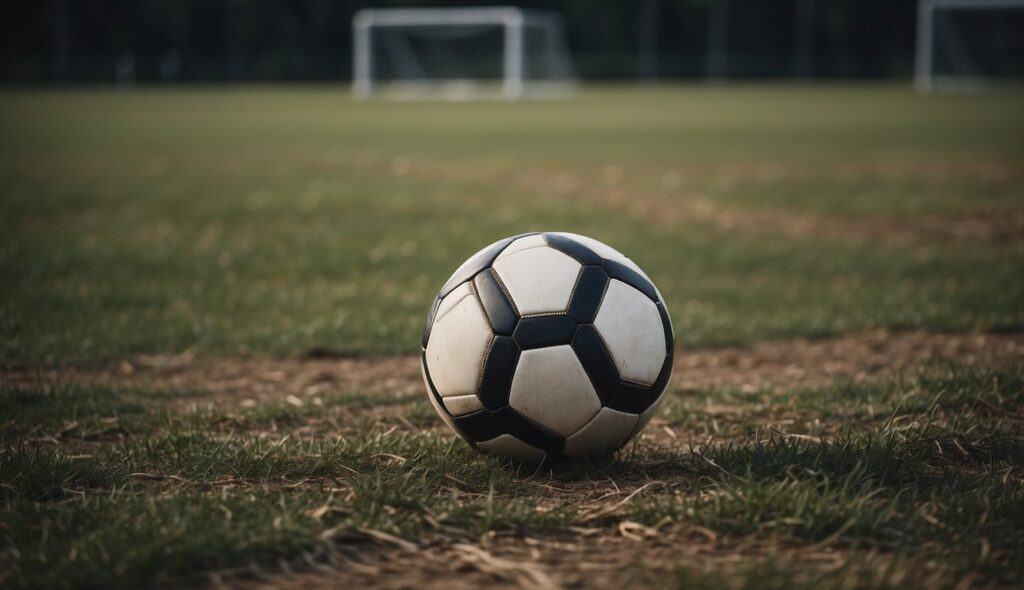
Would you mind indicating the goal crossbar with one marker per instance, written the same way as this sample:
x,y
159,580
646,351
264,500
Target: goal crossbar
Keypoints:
x,y
510,19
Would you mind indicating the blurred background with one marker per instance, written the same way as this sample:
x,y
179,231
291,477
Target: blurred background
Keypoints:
x,y
209,243
197,176
214,40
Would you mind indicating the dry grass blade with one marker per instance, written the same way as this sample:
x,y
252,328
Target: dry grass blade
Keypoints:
x,y
383,537
796,436
611,509
522,574
636,531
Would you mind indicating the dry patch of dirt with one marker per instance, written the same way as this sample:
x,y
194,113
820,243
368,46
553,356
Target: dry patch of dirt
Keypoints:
x,y
603,549
996,228
662,204
669,209
241,378
800,363
770,365
625,555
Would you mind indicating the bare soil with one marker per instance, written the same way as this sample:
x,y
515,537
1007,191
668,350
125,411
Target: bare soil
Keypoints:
x,y
803,363
670,210
604,549
770,365
667,204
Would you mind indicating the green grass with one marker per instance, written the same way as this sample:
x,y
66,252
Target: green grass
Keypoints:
x,y
934,476
83,411
274,221
954,386
277,220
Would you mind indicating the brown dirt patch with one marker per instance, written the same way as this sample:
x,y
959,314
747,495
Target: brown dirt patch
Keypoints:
x,y
669,209
770,365
241,378
802,363
603,550
995,228
662,204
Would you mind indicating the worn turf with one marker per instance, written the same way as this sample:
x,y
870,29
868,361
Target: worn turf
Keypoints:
x,y
276,220
210,297
922,468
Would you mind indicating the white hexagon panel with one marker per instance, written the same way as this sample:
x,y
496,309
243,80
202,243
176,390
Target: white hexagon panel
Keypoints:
x,y
603,434
445,416
524,243
630,325
551,388
458,343
509,446
539,279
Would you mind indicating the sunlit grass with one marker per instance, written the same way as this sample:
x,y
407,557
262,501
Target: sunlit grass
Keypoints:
x,y
274,221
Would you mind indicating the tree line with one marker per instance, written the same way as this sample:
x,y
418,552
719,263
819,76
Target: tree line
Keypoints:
x,y
153,40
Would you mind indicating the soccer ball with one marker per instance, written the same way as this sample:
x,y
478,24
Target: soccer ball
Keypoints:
x,y
547,345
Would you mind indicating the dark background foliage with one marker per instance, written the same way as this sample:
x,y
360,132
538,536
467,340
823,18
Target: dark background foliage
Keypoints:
x,y
311,39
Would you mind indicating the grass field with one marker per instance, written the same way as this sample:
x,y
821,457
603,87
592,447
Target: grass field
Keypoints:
x,y
211,297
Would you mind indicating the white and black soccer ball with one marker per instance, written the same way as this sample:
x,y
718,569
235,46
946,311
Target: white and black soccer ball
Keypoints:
x,y
547,345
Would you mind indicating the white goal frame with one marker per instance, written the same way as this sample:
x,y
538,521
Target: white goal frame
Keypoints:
x,y
924,59
510,19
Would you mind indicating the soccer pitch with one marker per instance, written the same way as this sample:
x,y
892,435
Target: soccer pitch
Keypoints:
x,y
212,299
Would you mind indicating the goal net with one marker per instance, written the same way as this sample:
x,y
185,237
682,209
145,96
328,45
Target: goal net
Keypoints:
x,y
966,44
460,53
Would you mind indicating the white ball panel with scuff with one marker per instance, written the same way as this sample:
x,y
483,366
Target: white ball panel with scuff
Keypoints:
x,y
605,432
540,280
551,388
458,343
459,405
524,243
433,401
509,446
630,325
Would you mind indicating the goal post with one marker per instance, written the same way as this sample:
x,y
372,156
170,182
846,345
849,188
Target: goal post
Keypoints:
x,y
459,52
963,71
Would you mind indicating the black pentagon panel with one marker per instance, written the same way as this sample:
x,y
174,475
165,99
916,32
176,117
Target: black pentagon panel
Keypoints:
x,y
633,398
581,253
477,263
546,330
596,361
479,426
667,325
498,370
617,270
500,312
529,432
587,295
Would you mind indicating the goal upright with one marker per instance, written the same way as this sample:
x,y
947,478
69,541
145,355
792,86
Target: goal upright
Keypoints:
x,y
460,53
938,36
